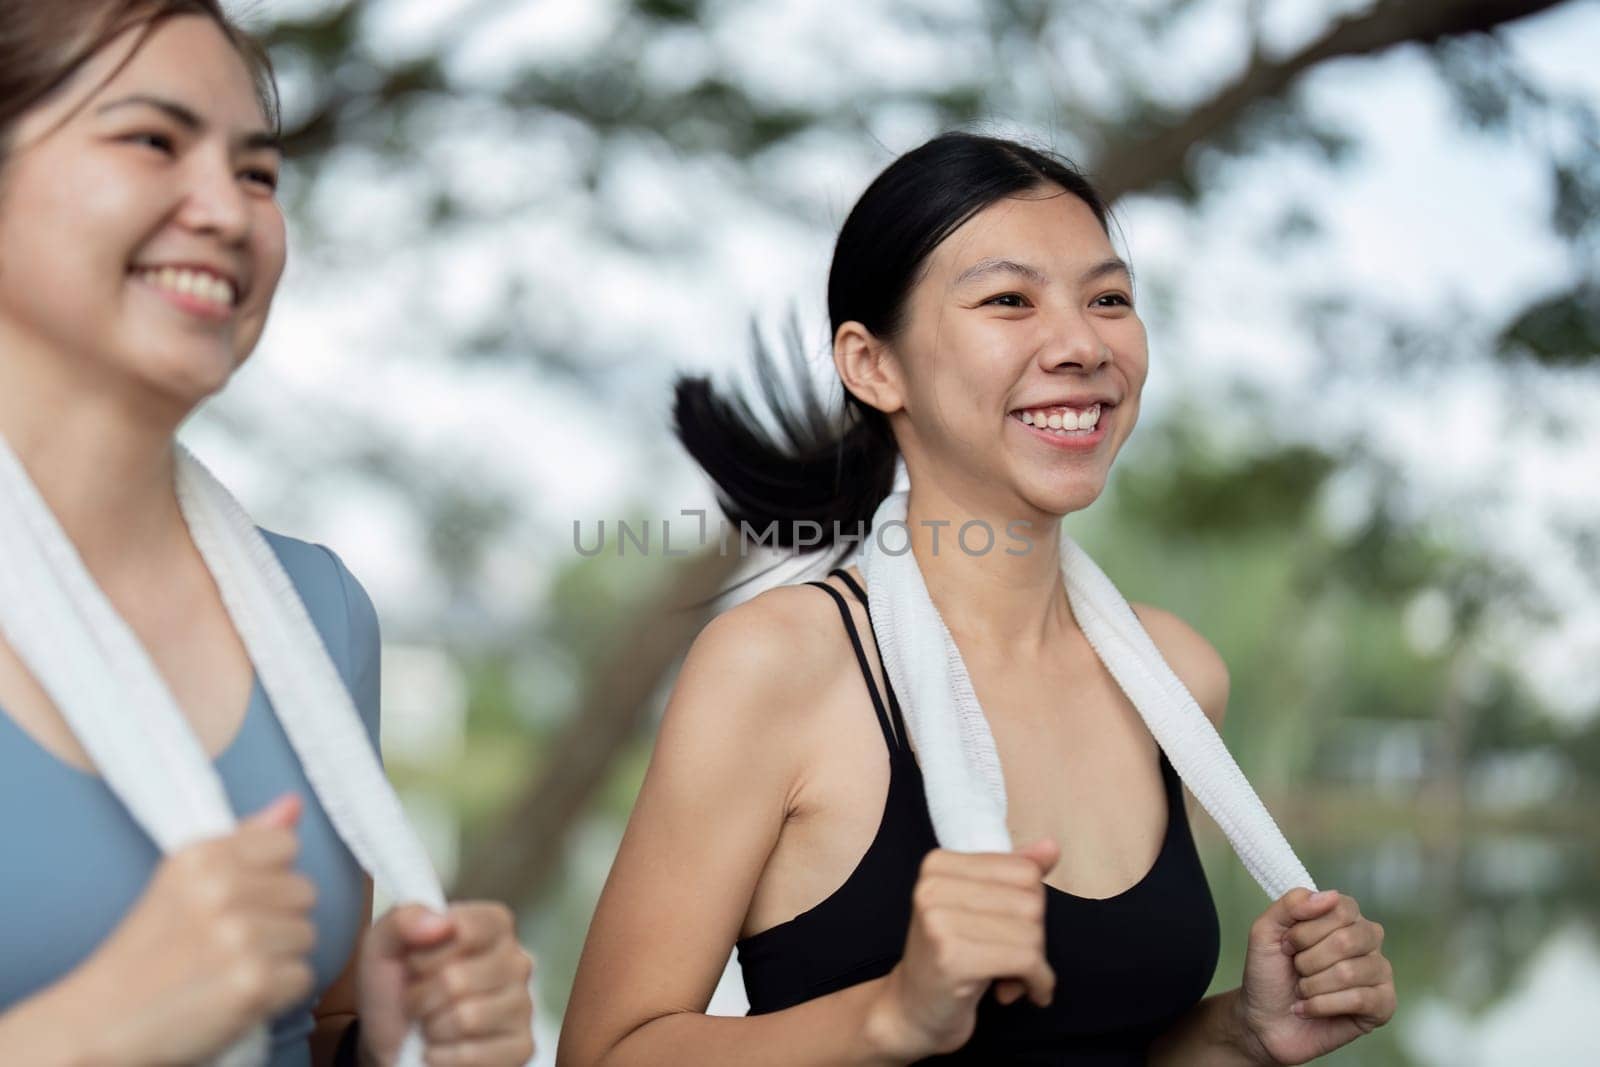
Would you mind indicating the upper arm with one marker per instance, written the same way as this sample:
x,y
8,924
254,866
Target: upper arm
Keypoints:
x,y
707,817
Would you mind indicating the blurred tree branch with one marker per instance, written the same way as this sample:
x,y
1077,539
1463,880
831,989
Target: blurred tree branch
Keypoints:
x,y
1157,153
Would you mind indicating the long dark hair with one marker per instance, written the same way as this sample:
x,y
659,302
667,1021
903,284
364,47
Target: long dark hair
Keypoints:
x,y
42,45
835,472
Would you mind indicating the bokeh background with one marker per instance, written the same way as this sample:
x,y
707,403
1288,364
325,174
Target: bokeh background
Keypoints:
x,y
1367,250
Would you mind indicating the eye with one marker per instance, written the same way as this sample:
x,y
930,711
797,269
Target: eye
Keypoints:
x,y
1116,296
160,142
268,179
1008,300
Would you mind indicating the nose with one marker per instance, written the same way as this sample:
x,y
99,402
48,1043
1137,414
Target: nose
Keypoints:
x,y
214,203
1074,342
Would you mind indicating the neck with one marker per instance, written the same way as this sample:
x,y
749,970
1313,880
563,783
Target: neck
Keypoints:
x,y
102,461
1003,605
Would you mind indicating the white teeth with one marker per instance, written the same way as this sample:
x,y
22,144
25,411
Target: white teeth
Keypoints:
x,y
1065,420
199,284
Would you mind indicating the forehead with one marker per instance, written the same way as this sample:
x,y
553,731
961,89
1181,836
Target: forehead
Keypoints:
x,y
1050,228
187,59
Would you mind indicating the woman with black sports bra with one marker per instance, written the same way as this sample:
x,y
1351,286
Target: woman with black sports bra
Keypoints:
x,y
977,305
1141,957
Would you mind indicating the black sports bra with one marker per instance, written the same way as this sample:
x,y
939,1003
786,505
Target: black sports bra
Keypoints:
x,y
1126,966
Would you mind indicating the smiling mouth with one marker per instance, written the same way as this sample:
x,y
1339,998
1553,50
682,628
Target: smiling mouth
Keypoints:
x,y
1064,421
202,287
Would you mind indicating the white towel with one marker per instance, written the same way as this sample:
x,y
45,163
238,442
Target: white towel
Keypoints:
x,y
965,787
108,690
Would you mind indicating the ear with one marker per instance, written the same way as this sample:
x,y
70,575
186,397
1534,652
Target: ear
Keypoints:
x,y
868,368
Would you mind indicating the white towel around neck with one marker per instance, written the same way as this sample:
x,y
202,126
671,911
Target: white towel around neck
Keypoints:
x,y
106,687
955,749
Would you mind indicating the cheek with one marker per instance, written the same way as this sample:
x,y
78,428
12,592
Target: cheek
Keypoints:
x,y
268,256
65,242
36,228
95,214
107,214
985,358
1139,370
1132,348
272,250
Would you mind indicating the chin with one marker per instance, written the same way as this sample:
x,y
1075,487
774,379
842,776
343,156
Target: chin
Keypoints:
x,y
1065,499
185,374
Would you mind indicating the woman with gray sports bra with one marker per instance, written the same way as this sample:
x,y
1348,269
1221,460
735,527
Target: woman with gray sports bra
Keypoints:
x,y
801,803
192,808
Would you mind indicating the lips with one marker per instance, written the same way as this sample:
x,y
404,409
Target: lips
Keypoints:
x,y
1081,403
1075,440
194,276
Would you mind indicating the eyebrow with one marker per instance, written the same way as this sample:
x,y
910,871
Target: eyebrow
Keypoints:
x,y
986,267
190,120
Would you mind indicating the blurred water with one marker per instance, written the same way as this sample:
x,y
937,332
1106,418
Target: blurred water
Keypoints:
x,y
1546,1018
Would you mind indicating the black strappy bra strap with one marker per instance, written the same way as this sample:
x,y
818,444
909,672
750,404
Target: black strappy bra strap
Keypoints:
x,y
855,587
894,701
861,658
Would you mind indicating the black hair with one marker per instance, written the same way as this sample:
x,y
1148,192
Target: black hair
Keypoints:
x,y
834,472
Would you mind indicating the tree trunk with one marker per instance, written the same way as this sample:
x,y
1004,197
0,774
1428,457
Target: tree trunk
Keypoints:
x,y
516,857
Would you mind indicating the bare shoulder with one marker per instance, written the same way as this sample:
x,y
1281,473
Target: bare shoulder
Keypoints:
x,y
752,666
773,639
1197,663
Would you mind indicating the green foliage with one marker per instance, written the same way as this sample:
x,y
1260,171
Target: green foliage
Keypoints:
x,y
1559,331
669,10
1195,493
1577,194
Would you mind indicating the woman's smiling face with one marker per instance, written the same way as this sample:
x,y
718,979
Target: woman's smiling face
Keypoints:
x,y
139,227
1022,317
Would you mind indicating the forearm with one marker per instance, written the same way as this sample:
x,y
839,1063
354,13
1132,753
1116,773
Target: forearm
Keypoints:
x,y
844,1029
1211,1034
46,1030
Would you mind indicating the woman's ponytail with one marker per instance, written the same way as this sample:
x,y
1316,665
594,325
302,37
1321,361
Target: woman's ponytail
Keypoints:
x,y
813,483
